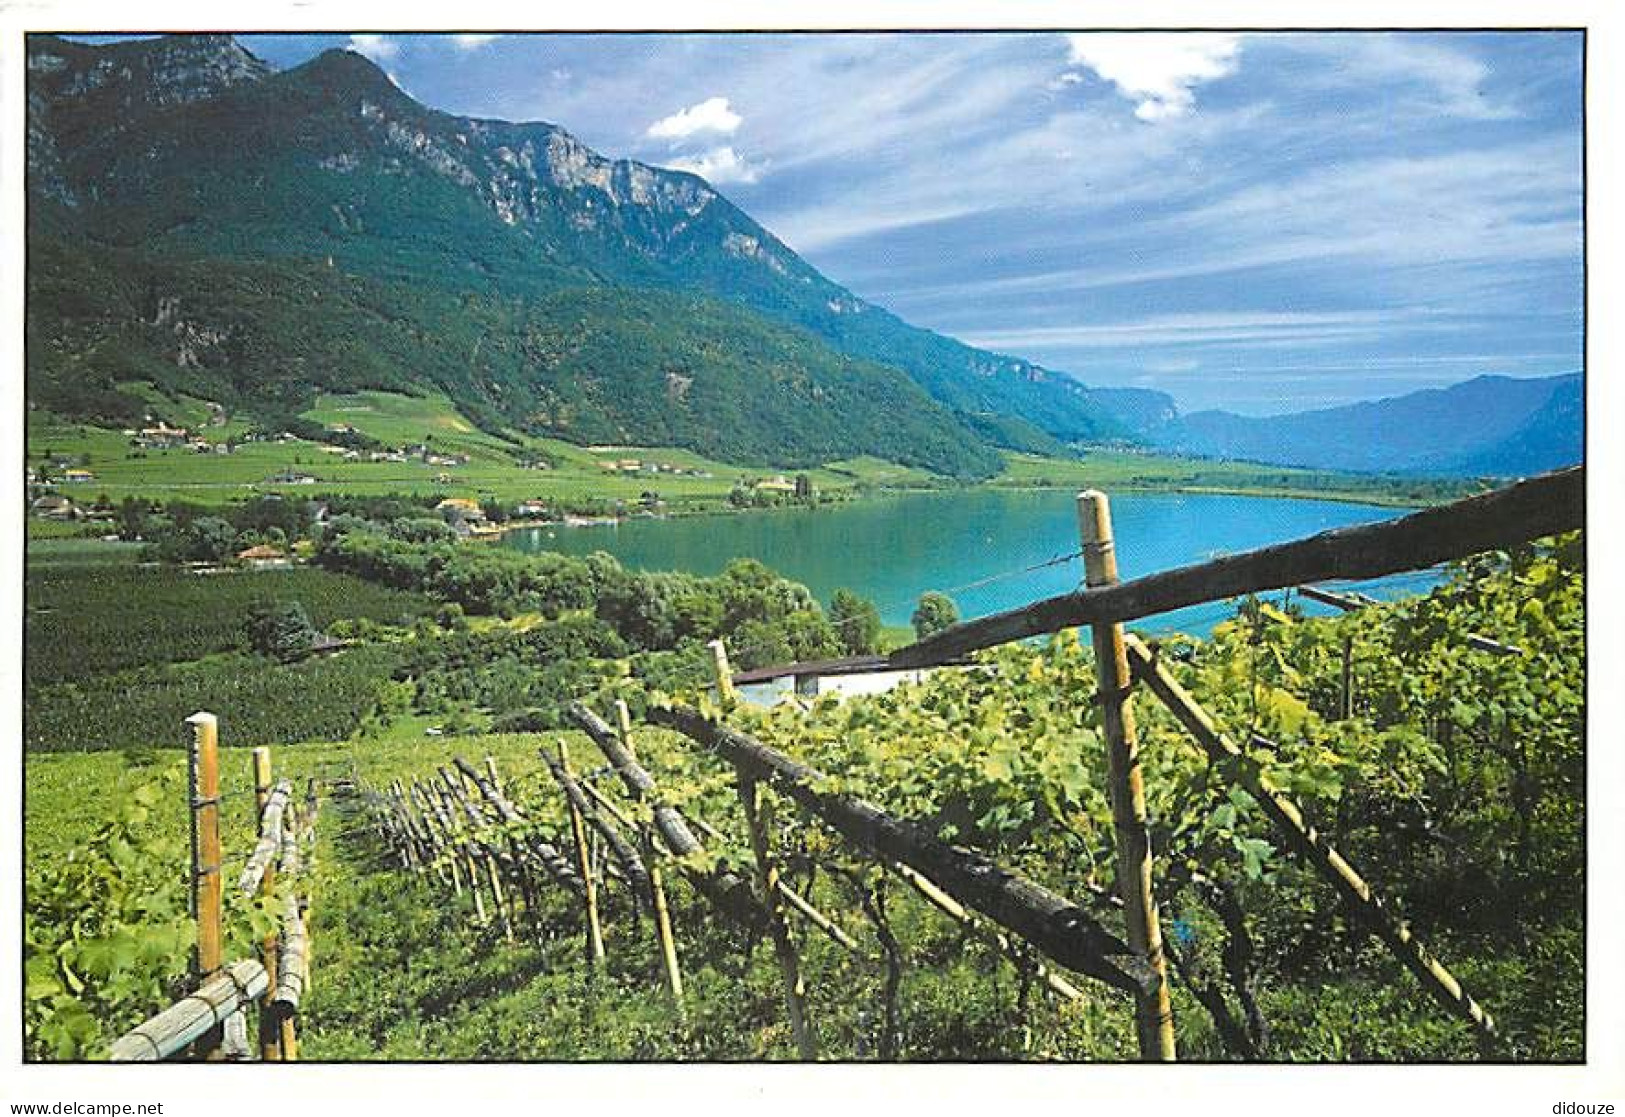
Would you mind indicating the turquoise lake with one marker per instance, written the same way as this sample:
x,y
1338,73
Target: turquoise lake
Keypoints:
x,y
975,546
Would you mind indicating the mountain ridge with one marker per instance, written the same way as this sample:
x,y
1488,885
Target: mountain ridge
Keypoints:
x,y
1487,424
168,157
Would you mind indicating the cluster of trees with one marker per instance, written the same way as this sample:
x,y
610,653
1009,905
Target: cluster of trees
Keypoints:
x,y
184,532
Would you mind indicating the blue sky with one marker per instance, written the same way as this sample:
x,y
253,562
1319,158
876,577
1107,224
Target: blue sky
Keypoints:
x,y
1261,222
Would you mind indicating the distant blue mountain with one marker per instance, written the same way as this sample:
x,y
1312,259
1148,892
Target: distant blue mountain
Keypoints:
x,y
1490,425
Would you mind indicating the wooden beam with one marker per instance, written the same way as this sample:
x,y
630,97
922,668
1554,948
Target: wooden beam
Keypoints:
x,y
1541,506
589,891
1059,928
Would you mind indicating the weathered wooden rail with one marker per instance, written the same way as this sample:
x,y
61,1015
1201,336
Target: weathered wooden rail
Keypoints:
x,y
230,991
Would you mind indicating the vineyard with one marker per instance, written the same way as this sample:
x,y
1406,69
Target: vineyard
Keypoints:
x,y
1082,849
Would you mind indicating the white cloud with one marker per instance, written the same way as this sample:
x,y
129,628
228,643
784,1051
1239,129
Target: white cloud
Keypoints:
x,y
379,48
719,165
1248,329
468,42
1158,70
712,115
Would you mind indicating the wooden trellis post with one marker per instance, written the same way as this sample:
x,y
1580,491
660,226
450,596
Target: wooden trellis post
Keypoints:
x,y
1153,1013
657,886
578,830
758,817
721,671
270,1038
521,872
207,886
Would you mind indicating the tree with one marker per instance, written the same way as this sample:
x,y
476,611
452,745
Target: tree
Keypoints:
x,y
132,519
280,630
935,612
856,622
804,488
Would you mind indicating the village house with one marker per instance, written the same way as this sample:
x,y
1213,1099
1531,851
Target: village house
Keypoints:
x,y
56,508
263,557
531,508
161,436
776,485
78,476
464,515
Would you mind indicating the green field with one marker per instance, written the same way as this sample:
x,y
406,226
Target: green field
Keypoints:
x,y
1121,471
578,475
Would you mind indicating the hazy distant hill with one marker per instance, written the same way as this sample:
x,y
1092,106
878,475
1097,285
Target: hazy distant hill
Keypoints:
x,y
1489,425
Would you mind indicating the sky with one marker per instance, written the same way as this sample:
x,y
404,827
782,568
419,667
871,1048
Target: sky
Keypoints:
x,y
1262,222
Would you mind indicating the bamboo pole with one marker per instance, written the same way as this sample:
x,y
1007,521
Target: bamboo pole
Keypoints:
x,y
657,886
953,909
270,1045
207,886
1346,704
1307,842
668,944
1153,1013
721,673
578,830
758,816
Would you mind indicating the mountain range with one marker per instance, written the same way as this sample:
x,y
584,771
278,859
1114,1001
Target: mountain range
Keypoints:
x,y
204,223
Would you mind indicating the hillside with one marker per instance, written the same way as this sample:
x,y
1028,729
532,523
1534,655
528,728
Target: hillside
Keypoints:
x,y
590,365
330,164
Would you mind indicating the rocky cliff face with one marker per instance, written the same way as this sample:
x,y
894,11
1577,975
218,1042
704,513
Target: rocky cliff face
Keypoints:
x,y
79,95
